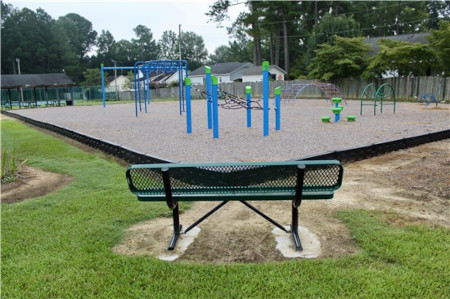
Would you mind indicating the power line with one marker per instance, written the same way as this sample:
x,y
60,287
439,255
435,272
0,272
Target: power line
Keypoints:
x,y
404,3
360,29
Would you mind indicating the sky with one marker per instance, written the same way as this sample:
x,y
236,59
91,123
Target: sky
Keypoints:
x,y
120,17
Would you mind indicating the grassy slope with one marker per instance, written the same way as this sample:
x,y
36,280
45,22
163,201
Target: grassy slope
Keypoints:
x,y
60,245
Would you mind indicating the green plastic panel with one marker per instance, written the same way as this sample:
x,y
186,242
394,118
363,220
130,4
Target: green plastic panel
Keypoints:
x,y
278,90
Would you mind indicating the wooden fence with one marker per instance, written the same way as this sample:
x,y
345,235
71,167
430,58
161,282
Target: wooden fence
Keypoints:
x,y
406,88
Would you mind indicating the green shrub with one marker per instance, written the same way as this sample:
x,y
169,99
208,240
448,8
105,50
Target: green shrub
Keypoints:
x,y
10,167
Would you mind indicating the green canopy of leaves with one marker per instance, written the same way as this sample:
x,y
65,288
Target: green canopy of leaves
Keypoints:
x,y
344,58
400,58
440,43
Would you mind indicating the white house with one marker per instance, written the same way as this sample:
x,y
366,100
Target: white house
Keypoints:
x,y
120,82
225,72
174,77
254,73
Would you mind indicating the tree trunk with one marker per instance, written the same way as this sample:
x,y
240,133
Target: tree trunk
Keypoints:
x,y
272,56
286,46
258,51
255,53
277,46
316,18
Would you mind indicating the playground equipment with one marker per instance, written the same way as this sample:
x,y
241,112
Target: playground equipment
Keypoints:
x,y
106,68
212,96
325,119
231,101
248,92
337,109
265,69
291,91
428,99
157,66
372,95
147,67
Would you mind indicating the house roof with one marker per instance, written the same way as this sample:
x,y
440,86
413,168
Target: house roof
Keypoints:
x,y
110,78
257,70
411,37
221,68
35,80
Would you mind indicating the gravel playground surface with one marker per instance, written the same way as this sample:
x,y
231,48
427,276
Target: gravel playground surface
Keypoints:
x,y
161,132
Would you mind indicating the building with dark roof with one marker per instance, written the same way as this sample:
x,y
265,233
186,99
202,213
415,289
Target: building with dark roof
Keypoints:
x,y
411,37
32,89
35,80
225,72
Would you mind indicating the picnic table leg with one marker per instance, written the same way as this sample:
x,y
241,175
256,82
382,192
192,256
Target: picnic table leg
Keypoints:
x,y
295,205
294,229
176,228
172,205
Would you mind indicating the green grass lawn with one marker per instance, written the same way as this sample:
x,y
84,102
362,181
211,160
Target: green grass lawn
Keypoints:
x,y
59,246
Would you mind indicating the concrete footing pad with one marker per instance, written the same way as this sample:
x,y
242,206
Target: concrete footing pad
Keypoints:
x,y
285,243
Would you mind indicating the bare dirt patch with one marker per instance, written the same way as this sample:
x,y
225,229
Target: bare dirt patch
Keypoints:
x,y
412,186
32,183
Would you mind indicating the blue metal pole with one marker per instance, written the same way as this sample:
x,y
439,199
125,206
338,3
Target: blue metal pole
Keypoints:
x,y
336,116
139,90
103,85
248,91
277,108
147,94
180,90
215,110
188,106
208,95
265,68
135,91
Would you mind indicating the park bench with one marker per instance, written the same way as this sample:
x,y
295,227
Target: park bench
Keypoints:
x,y
289,180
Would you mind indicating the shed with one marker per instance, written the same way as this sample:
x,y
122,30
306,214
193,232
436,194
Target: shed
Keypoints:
x,y
36,87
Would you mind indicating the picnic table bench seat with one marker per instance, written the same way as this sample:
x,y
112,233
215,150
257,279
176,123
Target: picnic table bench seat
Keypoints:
x,y
252,181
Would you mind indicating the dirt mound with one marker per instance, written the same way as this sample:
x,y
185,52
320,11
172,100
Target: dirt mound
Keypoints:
x,y
32,183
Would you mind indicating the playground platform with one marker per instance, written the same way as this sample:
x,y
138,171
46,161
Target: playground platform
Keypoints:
x,y
162,131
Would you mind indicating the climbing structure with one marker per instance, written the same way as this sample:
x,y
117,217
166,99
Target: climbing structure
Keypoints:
x,y
290,92
381,96
428,99
231,101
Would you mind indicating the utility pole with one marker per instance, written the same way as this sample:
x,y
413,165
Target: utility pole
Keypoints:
x,y
18,68
179,39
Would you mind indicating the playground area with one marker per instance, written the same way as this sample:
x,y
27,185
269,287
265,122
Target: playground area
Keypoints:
x,y
161,132
412,183
393,182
